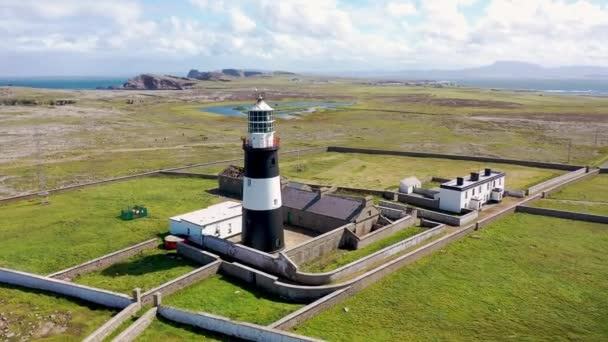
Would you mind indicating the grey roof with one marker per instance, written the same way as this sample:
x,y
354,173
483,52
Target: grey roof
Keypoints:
x,y
327,205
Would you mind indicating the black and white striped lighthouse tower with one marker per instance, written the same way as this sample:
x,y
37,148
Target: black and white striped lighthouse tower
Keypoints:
x,y
262,217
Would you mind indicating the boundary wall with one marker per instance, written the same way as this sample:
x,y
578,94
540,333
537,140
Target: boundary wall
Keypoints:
x,y
543,165
223,325
560,180
569,182
111,325
188,174
353,241
104,261
89,294
318,246
135,329
570,215
452,220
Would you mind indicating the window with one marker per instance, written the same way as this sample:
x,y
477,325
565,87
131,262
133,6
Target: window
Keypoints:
x,y
369,213
248,181
276,201
474,191
466,194
229,228
273,161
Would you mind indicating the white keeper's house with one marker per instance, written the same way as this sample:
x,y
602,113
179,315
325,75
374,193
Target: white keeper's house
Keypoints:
x,y
472,192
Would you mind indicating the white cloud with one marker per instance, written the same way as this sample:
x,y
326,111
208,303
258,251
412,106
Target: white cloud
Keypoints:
x,y
401,9
240,22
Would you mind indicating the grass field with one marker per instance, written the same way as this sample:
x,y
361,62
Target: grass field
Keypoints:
x,y
583,207
81,225
594,189
385,172
231,298
146,270
525,278
33,315
340,257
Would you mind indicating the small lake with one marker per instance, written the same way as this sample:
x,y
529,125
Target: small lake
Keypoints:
x,y
284,110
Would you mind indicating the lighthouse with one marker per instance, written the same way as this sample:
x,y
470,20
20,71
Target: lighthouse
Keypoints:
x,y
262,216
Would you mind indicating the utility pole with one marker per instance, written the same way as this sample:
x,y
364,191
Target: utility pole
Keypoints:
x,y
569,150
40,172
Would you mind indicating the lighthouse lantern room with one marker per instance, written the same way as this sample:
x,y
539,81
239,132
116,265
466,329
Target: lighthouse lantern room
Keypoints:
x,y
262,216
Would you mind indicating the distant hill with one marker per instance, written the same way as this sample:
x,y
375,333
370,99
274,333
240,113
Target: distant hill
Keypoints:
x,y
158,82
502,69
228,74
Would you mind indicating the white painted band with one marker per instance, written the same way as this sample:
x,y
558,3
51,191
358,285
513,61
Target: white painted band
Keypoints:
x,y
261,140
262,193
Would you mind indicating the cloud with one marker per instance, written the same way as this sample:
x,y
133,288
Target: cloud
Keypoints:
x,y
401,9
240,22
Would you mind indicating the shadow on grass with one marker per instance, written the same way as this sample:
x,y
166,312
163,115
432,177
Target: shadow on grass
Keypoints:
x,y
79,302
199,331
147,264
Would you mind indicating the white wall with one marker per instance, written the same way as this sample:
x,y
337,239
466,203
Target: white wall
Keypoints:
x,y
227,228
453,200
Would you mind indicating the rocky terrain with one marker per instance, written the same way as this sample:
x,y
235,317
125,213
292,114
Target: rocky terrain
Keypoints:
x,y
228,74
158,82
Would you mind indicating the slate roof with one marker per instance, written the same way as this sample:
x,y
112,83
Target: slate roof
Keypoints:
x,y
342,208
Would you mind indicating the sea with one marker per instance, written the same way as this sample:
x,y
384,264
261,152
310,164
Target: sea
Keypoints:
x,y
64,82
591,87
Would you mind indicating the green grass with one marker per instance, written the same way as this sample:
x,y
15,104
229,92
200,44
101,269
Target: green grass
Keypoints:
x,y
146,270
594,189
583,207
229,297
167,331
81,225
527,278
340,257
385,172
47,316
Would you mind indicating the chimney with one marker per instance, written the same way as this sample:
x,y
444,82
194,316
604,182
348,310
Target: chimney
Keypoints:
x,y
487,172
369,201
459,181
474,176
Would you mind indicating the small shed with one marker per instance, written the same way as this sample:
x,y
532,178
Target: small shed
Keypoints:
x,y
407,185
222,220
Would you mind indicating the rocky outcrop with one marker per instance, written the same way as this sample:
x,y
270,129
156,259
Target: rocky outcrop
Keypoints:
x,y
158,82
224,74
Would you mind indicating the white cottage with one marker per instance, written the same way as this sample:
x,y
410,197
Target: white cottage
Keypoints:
x,y
472,192
223,220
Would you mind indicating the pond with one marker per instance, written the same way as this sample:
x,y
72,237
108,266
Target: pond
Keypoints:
x,y
284,110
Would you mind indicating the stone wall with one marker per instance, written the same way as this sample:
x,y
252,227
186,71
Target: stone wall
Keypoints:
x,y
542,165
195,254
311,310
222,325
556,181
317,247
353,241
570,215
418,200
504,212
179,283
452,220
188,174
310,220
104,261
569,181
135,329
110,326
89,294
392,214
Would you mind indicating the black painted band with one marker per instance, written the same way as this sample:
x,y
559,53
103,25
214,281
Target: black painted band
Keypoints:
x,y
261,163
263,230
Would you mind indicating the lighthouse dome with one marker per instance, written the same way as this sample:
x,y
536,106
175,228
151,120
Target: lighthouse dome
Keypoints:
x,y
261,106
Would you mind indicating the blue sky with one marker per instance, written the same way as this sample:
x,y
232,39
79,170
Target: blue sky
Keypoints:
x,y
126,37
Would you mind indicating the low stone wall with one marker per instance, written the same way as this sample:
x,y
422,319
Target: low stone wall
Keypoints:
x,y
188,174
241,330
392,214
516,194
195,254
319,246
570,215
533,190
570,181
179,283
311,310
89,294
504,212
110,326
542,165
135,329
418,200
353,241
104,261
452,220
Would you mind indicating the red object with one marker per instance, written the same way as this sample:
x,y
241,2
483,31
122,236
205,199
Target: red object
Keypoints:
x,y
171,241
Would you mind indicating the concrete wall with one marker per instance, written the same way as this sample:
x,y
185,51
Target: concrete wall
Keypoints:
x,y
311,310
179,283
418,200
195,254
241,330
504,212
188,174
104,261
353,241
135,329
570,181
89,294
110,326
392,214
452,220
542,165
312,221
570,215
317,247
556,181
231,185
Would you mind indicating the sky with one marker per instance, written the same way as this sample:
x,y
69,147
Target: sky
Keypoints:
x,y
127,37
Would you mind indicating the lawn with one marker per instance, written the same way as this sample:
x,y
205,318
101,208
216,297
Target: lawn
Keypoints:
x,y
385,172
146,270
167,331
566,205
229,297
340,257
524,277
35,315
594,189
81,225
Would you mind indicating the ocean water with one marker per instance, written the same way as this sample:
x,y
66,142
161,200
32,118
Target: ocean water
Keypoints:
x,y
591,87
63,82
